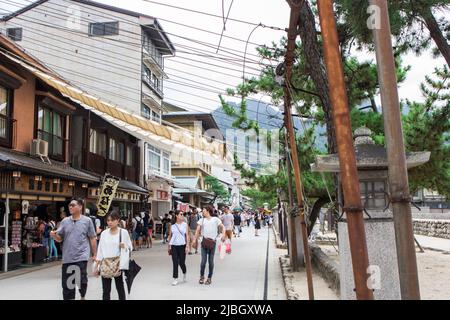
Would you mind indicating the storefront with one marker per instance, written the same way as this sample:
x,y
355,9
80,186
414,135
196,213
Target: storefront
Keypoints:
x,y
32,191
159,196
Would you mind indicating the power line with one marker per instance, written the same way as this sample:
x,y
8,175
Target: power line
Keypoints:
x,y
134,33
213,15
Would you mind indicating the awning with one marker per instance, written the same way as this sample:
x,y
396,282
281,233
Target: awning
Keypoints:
x,y
131,186
135,124
23,162
177,196
186,182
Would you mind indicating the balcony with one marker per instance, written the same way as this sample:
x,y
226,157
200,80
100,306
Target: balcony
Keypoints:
x,y
149,81
7,131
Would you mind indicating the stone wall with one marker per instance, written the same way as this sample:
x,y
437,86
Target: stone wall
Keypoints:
x,y
432,228
326,267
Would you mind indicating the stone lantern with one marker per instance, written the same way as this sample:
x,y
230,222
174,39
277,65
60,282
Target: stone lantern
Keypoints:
x,y
372,164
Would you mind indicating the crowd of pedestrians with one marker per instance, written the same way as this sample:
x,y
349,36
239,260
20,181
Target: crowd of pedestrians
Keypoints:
x,y
86,236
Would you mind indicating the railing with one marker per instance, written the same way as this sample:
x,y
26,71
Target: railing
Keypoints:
x,y
56,144
7,131
147,79
155,55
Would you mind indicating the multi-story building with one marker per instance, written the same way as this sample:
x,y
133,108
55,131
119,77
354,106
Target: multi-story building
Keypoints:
x,y
112,53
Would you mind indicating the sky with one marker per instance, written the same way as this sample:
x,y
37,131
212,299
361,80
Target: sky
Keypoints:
x,y
268,12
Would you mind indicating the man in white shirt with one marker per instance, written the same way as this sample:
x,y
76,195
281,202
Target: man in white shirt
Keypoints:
x,y
208,227
228,222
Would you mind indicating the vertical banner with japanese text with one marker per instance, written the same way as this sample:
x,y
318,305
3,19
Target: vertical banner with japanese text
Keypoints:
x,y
109,188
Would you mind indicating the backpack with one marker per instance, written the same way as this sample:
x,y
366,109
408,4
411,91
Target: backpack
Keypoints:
x,y
47,230
139,226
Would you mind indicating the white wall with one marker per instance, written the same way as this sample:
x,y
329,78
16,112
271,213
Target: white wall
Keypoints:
x,y
109,69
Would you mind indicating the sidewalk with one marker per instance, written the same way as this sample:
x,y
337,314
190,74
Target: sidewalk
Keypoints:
x,y
432,243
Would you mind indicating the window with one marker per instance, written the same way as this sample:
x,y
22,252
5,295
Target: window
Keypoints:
x,y
372,194
51,128
104,28
97,143
154,155
130,156
166,159
156,116
116,151
146,112
14,34
5,112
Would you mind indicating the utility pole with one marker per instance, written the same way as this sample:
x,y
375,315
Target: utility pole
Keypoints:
x,y
347,159
289,61
398,174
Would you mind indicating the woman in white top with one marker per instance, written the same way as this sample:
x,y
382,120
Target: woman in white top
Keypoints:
x,y
109,247
179,244
208,228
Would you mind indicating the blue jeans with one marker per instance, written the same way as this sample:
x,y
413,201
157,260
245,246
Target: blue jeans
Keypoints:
x,y
207,255
53,251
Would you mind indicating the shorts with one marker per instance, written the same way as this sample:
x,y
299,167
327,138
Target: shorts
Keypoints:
x,y
136,236
229,233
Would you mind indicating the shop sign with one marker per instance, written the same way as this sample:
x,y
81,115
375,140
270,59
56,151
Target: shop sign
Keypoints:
x,y
162,195
109,188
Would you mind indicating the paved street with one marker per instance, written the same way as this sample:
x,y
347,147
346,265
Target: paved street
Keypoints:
x,y
434,243
239,276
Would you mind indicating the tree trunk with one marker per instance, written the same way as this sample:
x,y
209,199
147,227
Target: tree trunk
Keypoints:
x,y
316,68
323,200
436,33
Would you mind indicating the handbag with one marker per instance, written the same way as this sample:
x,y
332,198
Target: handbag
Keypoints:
x,y
110,267
207,243
125,255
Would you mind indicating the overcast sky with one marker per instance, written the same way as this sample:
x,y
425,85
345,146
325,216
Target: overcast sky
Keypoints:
x,y
268,12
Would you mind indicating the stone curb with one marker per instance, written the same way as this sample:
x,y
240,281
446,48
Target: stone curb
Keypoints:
x,y
288,279
327,268
278,243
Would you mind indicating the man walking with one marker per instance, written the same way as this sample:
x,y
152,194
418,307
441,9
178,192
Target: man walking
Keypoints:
x,y
193,218
228,222
79,243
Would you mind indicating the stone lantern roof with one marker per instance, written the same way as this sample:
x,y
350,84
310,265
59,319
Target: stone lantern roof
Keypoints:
x,y
369,156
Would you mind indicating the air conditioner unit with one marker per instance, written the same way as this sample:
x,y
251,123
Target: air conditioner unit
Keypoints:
x,y
39,148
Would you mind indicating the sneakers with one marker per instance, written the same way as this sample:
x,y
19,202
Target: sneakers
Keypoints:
x,y
175,282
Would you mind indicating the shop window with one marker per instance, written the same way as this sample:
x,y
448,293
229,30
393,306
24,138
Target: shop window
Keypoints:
x,y
97,143
51,128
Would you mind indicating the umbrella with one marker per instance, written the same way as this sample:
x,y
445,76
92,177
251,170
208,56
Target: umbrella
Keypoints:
x,y
131,273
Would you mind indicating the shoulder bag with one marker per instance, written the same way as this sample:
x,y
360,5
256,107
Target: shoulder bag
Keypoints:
x,y
110,267
207,243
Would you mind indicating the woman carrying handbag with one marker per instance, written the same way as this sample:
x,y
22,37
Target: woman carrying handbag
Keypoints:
x,y
179,245
112,241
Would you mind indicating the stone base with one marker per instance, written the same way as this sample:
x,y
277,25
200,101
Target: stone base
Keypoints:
x,y
382,251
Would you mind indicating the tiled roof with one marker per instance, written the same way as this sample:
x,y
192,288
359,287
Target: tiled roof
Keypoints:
x,y
35,165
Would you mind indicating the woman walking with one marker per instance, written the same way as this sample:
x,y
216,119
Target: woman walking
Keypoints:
x,y
112,240
179,244
208,228
151,224
257,223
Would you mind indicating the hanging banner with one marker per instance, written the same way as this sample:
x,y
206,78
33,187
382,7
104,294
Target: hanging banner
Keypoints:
x,y
109,188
